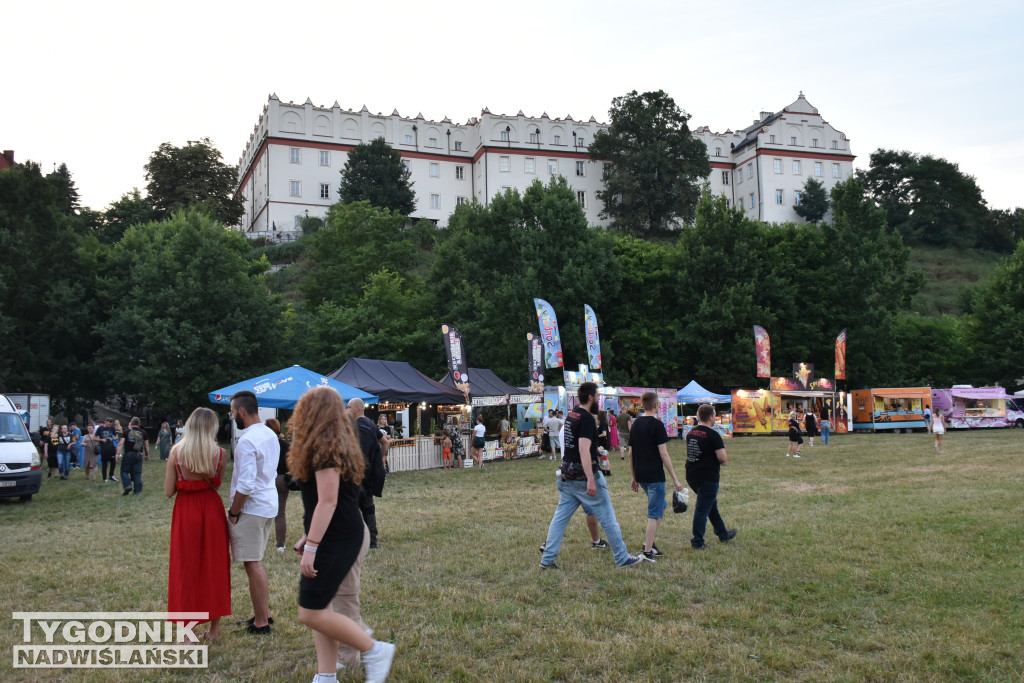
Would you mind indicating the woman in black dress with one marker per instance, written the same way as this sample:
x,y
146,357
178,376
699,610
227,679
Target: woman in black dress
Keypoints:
x,y
811,424
326,458
794,436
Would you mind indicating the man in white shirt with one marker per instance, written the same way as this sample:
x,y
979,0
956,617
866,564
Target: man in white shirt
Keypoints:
x,y
253,502
553,428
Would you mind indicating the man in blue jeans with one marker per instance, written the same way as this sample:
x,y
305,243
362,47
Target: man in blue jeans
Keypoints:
x,y
705,456
648,458
130,452
581,482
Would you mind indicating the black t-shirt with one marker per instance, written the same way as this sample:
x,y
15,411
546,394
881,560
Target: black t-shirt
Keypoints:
x,y
648,433
701,461
824,413
282,460
44,435
794,429
108,433
347,520
135,441
580,424
810,422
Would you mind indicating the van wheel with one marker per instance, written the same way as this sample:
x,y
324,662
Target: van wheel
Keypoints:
x,y
1019,424
25,499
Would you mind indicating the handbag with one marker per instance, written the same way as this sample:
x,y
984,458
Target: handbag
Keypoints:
x,y
680,500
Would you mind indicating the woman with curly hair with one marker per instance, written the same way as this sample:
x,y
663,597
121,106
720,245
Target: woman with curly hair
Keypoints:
x,y
199,575
326,459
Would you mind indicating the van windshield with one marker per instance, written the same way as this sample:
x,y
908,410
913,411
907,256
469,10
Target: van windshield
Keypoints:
x,y
12,428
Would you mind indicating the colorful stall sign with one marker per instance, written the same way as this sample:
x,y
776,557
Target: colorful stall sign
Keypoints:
x,y
751,411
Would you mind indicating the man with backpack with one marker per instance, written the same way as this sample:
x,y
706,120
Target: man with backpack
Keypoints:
x,y
130,452
373,444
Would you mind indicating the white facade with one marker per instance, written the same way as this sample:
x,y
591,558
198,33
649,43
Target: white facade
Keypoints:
x,y
291,165
763,168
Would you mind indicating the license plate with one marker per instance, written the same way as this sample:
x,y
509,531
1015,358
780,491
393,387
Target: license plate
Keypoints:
x,y
8,482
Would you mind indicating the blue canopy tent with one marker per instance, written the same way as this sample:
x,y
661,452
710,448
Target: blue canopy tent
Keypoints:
x,y
695,393
284,388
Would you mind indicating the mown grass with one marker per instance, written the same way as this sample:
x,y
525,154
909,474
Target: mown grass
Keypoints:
x,y
873,559
947,273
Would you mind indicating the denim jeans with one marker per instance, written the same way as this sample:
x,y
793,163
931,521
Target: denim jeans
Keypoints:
x,y
825,431
131,472
80,451
63,463
573,494
706,509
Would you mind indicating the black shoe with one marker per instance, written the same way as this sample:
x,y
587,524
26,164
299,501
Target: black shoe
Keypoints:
x,y
252,620
549,566
655,552
258,630
599,544
543,546
648,555
699,547
731,534
126,492
373,545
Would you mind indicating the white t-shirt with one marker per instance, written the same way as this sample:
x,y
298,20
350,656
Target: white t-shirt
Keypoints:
x,y
479,430
255,470
553,427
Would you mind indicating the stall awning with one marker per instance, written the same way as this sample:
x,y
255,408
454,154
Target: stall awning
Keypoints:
x,y
284,388
695,393
486,388
978,393
395,382
804,394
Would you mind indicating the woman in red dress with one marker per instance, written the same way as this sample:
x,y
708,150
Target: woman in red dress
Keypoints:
x,y
199,579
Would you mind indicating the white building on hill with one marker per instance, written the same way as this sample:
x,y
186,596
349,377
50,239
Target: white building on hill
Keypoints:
x,y
291,165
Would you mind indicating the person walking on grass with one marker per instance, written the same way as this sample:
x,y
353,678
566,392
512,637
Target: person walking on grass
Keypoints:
x,y
478,441
373,444
811,425
253,505
281,520
63,441
199,568
826,425
107,438
130,452
648,459
327,459
794,435
163,440
705,457
938,429
581,482
89,446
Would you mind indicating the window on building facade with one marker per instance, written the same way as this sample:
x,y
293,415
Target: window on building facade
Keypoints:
x,y
294,188
298,222
529,165
435,201
295,155
817,169
792,140
751,200
581,168
835,171
408,139
796,197
435,169
557,140
325,158
779,196
505,189
750,170
728,202
460,172
718,151
725,177
796,167
739,177
325,191
771,139
432,142
814,142
459,201
504,164
552,166
407,164
778,165
533,138
458,145
581,197
835,144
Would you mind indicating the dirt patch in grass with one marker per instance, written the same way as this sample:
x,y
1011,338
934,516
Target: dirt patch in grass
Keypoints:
x,y
801,487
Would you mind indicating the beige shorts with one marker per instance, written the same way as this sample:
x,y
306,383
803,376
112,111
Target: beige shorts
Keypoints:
x,y
249,537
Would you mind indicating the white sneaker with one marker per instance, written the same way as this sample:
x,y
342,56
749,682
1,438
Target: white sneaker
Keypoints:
x,y
280,548
377,661
796,455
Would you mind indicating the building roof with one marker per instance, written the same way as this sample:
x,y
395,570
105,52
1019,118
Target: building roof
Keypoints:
x,y
7,160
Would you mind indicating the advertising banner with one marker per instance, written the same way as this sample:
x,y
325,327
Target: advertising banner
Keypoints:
x,y
751,411
841,355
549,334
536,363
804,374
763,351
793,384
456,358
593,339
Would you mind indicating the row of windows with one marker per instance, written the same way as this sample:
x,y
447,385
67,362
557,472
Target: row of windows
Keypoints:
x,y
295,189
819,168
530,166
792,142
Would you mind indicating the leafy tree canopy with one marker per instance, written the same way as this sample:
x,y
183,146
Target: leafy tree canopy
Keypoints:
x,y
131,209
193,175
813,202
374,172
996,323
65,184
654,165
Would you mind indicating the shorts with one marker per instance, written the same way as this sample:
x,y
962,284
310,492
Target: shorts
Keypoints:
x,y
478,442
656,504
249,536
446,453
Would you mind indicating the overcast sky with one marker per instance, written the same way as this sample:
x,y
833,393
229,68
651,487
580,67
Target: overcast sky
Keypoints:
x,y
100,85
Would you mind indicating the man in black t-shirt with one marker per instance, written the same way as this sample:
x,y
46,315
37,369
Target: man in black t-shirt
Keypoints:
x,y
372,442
130,451
648,458
581,482
106,436
705,456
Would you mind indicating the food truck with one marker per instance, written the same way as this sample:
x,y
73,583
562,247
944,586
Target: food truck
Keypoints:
x,y
968,407
892,409
766,411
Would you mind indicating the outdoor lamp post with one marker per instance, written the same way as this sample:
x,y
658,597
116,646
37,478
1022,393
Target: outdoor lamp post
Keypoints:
x,y
537,133
449,134
508,135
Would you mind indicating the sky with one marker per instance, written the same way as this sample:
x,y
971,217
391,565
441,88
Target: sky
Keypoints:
x,y
100,85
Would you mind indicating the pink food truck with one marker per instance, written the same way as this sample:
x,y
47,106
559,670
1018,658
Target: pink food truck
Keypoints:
x,y
967,407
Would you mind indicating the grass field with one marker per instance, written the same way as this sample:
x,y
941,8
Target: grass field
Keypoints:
x,y
874,559
947,273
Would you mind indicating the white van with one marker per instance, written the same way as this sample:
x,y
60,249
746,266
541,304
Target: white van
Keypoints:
x,y
21,472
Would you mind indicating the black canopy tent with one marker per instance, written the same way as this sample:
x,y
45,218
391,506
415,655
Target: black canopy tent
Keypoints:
x,y
395,382
487,389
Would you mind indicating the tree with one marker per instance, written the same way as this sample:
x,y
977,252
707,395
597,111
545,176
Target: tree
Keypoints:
x,y
188,312
926,199
813,202
193,175
131,209
65,184
996,323
374,172
653,164
1003,231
